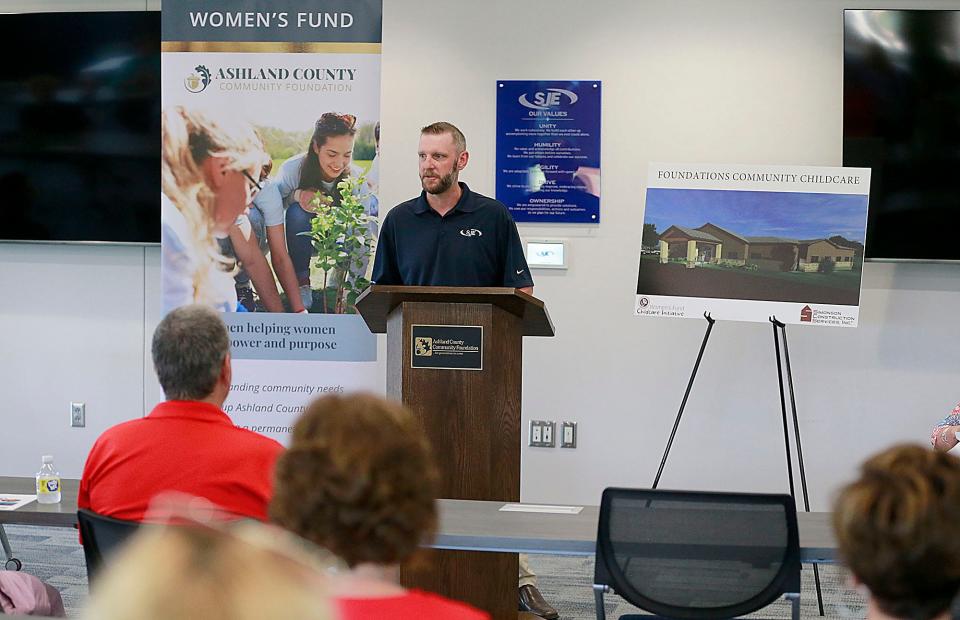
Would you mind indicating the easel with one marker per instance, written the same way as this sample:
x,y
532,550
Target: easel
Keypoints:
x,y
779,334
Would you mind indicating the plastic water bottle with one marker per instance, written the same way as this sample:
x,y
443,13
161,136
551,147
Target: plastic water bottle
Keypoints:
x,y
48,482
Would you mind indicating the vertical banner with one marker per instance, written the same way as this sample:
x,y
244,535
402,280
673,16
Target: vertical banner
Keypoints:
x,y
548,150
745,243
269,190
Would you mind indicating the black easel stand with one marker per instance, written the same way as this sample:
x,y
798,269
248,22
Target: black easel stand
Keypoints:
x,y
781,361
777,325
683,403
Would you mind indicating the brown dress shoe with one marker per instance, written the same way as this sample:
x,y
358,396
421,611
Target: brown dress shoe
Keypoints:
x,y
531,600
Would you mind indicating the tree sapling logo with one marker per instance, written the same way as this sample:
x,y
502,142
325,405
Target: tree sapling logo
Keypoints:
x,y
197,81
424,346
552,98
806,314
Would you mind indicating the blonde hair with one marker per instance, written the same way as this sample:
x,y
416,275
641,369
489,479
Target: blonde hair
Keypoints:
x,y
190,136
195,572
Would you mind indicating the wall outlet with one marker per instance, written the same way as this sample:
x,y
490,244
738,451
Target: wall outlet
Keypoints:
x,y
78,415
542,433
548,434
568,434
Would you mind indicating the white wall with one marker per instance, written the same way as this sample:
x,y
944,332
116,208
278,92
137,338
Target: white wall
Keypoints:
x,y
704,81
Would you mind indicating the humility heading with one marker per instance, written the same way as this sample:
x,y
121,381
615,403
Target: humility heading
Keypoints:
x,y
273,19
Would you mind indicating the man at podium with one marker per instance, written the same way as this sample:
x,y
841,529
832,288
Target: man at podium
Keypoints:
x,y
449,235
452,236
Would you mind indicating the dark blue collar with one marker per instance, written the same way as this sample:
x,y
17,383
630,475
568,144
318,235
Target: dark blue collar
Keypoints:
x,y
466,204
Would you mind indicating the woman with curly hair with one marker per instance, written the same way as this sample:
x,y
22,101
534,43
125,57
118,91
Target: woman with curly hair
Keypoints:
x,y
209,165
359,480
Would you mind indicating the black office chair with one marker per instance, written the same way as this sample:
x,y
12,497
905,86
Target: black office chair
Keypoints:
x,y
101,537
691,554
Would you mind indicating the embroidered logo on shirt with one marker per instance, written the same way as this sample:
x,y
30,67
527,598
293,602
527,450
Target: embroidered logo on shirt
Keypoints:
x,y
470,232
519,271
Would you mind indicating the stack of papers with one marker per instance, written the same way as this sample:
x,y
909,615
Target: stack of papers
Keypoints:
x,y
12,501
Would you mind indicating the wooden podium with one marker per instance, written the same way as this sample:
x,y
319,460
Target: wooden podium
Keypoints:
x,y
454,357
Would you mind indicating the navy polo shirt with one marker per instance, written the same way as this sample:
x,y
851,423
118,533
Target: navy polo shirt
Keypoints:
x,y
475,244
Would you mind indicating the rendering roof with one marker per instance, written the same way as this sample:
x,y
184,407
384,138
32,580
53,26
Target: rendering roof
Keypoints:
x,y
693,233
729,232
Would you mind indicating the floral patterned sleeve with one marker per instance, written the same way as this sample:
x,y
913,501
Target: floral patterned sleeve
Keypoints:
x,y
951,420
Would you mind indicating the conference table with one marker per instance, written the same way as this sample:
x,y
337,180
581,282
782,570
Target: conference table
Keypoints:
x,y
464,525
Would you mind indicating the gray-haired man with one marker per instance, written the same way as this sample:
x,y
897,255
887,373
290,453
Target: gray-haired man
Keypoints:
x,y
187,444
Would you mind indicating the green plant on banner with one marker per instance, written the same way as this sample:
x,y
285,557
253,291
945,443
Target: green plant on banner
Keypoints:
x,y
343,244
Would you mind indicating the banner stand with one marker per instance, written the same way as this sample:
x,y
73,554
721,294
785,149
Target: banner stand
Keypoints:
x,y
779,333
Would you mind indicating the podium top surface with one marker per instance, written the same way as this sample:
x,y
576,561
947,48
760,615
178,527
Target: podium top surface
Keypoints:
x,y
377,302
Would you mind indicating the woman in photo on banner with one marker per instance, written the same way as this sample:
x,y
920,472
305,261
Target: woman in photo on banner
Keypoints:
x,y
300,182
208,178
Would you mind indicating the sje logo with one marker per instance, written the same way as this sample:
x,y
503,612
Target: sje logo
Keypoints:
x,y
552,98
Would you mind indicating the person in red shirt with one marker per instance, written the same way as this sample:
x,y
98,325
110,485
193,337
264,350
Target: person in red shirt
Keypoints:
x,y
359,480
187,444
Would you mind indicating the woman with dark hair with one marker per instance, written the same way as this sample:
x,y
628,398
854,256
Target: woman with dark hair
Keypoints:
x,y
359,480
326,162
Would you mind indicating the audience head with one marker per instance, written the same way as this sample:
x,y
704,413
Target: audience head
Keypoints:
x,y
358,480
895,530
192,572
191,354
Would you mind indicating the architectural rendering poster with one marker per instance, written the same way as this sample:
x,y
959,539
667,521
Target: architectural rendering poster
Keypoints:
x,y
745,243
548,150
270,132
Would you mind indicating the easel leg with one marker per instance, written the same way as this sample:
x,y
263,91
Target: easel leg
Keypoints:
x,y
683,403
783,406
796,433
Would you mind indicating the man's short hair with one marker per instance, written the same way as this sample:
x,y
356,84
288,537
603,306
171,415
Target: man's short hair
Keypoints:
x,y
895,528
441,127
188,349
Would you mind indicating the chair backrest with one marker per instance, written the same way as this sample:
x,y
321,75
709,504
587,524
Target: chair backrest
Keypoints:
x,y
101,536
693,554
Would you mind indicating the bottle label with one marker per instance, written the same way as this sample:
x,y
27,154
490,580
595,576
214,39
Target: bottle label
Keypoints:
x,y
48,485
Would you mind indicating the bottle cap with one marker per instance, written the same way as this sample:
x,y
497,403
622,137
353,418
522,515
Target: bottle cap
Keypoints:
x,y
47,458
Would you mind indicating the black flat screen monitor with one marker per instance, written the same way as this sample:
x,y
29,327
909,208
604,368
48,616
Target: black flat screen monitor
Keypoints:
x,y
80,127
901,117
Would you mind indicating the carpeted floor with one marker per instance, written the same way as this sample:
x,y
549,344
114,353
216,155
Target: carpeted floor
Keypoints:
x,y
54,555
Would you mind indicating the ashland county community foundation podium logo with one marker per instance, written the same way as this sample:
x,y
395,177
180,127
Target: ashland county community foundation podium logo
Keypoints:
x,y
424,346
197,81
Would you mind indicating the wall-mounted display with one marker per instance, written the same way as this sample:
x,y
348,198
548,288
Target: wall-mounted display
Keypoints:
x,y
901,118
80,127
